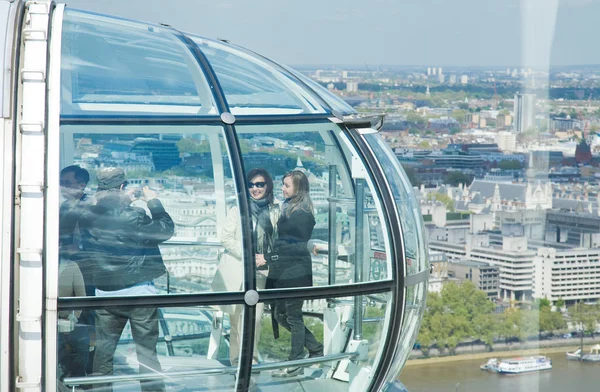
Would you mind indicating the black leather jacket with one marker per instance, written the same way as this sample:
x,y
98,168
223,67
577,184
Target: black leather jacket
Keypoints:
x,y
290,263
121,242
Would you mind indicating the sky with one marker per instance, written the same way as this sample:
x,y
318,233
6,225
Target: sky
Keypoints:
x,y
439,33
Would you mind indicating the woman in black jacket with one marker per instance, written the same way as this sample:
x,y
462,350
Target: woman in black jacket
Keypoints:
x,y
291,266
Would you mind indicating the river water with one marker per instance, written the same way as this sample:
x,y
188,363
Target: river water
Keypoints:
x,y
565,376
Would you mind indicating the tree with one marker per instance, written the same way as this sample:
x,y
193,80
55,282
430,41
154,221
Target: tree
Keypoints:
x,y
466,300
412,176
585,317
188,145
541,303
551,321
520,324
485,329
455,177
459,115
447,200
510,165
416,118
508,326
460,312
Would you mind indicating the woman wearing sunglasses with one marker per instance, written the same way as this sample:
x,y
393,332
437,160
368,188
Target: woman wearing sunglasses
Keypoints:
x,y
265,211
291,266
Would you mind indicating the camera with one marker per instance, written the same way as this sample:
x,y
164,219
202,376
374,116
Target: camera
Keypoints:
x,y
138,193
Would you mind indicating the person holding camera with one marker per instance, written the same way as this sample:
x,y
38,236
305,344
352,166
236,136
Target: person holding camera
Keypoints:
x,y
121,244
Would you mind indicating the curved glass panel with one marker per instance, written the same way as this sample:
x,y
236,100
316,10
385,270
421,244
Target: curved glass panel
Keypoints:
x,y
336,232
413,313
344,329
142,344
408,208
190,348
146,206
113,66
335,102
254,87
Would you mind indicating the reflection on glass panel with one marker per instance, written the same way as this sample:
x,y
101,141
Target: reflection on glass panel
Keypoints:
x,y
309,228
351,330
406,202
253,86
340,345
336,103
149,209
415,306
142,343
117,66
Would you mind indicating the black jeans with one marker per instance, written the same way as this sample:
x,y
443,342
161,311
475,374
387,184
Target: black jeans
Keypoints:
x,y
144,330
288,314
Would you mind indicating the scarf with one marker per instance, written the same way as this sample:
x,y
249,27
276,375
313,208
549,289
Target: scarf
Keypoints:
x,y
262,232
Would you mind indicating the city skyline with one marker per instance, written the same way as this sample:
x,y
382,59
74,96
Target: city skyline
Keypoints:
x,y
461,33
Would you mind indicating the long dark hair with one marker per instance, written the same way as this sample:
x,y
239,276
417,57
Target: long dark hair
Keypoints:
x,y
268,180
301,200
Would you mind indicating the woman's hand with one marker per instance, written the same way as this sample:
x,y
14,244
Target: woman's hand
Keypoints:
x,y
260,260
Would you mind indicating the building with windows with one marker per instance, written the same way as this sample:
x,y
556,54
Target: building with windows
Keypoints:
x,y
571,275
507,141
511,256
483,275
524,112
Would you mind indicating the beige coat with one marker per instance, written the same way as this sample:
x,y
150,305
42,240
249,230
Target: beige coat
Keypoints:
x,y
70,284
230,272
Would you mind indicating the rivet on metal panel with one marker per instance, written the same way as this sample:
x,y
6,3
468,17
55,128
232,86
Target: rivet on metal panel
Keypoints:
x,y
228,118
251,297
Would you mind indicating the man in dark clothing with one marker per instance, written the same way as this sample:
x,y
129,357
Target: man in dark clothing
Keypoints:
x,y
121,242
74,345
73,180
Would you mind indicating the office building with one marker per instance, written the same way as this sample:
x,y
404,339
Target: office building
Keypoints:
x,y
352,87
507,141
524,112
571,275
483,275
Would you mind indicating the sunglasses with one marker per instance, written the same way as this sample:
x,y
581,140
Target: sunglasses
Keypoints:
x,y
259,185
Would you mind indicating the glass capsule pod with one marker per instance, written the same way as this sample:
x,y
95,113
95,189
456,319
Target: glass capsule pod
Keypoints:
x,y
149,253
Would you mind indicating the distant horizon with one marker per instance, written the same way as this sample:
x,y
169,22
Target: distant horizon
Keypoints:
x,y
459,34
444,67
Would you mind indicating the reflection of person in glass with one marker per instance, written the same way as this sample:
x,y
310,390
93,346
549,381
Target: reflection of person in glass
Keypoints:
x,y
121,242
74,328
73,336
290,265
265,213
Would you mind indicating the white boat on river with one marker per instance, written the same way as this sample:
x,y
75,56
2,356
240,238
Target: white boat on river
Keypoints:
x,y
518,365
592,356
